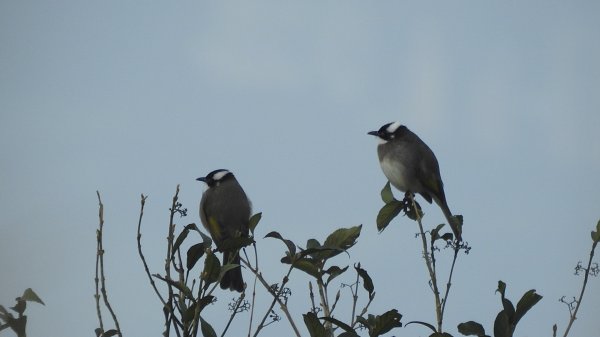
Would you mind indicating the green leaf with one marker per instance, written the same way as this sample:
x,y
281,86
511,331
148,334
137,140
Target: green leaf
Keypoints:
x,y
387,213
342,239
20,306
178,285
314,326
425,324
509,309
320,253
204,301
386,193
212,270
206,240
348,334
411,212
447,236
312,244
386,322
367,281
180,238
31,296
313,248
188,314
194,254
471,328
308,266
340,324
254,220
109,333
337,242
526,302
435,233
596,233
501,288
207,329
235,244
502,326
333,272
290,245
191,227
226,268
18,325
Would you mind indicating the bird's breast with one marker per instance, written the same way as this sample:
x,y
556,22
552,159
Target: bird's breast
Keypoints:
x,y
396,173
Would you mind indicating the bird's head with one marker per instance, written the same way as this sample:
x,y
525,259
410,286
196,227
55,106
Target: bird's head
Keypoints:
x,y
387,132
216,177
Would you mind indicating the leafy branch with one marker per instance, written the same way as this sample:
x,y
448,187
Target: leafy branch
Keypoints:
x,y
391,209
591,269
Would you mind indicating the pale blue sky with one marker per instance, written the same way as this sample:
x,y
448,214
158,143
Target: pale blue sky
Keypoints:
x,y
136,97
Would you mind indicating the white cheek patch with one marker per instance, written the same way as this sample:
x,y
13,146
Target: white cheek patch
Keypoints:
x,y
381,141
393,127
219,175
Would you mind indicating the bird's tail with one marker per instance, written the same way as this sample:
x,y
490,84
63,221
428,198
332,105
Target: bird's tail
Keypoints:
x,y
232,279
453,221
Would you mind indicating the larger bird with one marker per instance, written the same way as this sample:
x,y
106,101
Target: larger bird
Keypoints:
x,y
225,212
410,166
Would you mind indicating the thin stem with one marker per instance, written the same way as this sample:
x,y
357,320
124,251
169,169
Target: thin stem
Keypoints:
x,y
253,288
102,279
276,298
170,239
139,244
235,312
585,280
312,297
282,305
449,283
432,274
354,300
261,325
98,254
325,305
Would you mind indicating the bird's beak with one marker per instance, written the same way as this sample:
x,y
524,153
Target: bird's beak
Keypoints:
x,y
202,179
373,133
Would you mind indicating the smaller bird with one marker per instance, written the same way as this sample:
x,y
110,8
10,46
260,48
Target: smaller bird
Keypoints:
x,y
225,213
411,167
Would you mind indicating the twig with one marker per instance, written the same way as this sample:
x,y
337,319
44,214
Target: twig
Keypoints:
x,y
432,274
276,298
235,312
312,297
325,305
170,239
449,283
139,244
335,302
354,300
282,305
253,288
585,280
98,254
102,279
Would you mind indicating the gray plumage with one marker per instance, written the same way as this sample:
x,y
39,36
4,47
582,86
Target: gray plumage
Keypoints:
x,y
225,211
410,166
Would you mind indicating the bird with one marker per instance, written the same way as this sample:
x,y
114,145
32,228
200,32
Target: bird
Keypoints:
x,y
411,167
225,212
